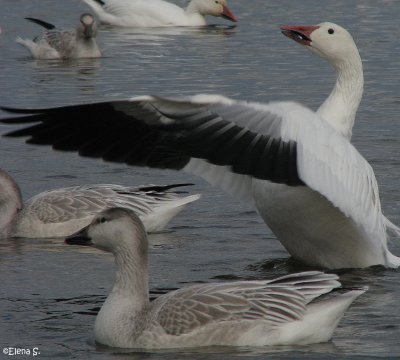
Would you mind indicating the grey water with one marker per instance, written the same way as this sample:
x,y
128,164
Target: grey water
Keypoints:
x,y
50,292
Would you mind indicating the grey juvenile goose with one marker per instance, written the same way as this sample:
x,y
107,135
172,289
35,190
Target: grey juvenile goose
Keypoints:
x,y
56,43
241,313
63,211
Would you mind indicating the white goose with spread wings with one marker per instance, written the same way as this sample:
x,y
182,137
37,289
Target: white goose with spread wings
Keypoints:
x,y
308,182
63,211
241,313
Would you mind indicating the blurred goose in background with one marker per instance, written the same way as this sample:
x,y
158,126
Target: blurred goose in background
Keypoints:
x,y
156,13
242,313
297,167
61,212
56,43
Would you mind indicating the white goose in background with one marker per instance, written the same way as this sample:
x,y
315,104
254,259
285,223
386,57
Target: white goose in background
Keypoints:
x,y
158,13
307,181
56,43
61,212
241,313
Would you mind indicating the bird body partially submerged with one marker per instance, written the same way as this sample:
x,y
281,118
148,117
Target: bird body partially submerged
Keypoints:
x,y
56,43
158,13
63,211
284,311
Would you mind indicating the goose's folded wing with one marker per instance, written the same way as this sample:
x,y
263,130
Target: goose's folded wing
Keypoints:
x,y
77,202
67,204
61,40
224,141
150,13
279,301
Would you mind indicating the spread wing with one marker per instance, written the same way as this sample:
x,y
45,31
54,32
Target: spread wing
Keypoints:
x,y
226,142
278,301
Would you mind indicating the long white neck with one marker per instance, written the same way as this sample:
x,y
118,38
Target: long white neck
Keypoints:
x,y
340,108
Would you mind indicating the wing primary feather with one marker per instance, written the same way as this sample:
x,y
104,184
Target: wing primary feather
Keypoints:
x,y
45,24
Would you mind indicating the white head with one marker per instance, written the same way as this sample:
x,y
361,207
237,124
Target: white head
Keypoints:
x,y
212,7
334,44
116,230
328,40
88,27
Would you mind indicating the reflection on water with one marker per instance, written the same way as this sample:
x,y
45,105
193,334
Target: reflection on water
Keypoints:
x,y
50,292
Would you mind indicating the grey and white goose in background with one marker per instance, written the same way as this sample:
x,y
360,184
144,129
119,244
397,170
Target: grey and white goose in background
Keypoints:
x,y
307,181
282,311
56,43
61,212
158,13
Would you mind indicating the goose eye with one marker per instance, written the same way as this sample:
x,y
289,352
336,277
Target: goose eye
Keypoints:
x,y
331,31
101,220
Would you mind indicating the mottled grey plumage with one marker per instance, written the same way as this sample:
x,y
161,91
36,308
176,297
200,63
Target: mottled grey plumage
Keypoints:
x,y
263,312
56,43
61,212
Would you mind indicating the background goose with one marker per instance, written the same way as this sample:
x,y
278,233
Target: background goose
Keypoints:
x,y
307,181
242,313
61,212
56,43
155,13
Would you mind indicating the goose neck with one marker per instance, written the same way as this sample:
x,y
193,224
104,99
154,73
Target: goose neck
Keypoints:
x,y
132,278
340,108
192,8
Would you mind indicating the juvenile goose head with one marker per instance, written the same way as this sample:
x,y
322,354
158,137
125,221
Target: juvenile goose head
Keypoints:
x,y
116,230
88,28
335,44
211,7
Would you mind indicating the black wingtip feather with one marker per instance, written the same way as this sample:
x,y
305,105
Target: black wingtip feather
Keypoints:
x,y
134,133
45,24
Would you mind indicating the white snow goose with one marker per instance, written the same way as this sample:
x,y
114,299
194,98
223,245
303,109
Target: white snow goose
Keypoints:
x,y
242,313
56,43
310,185
63,211
158,13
